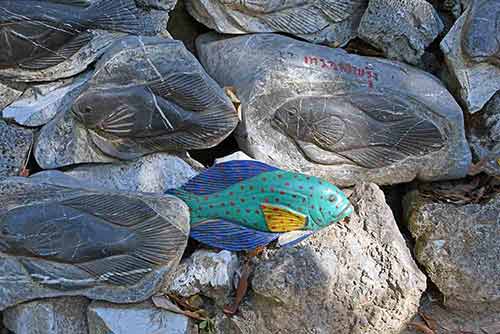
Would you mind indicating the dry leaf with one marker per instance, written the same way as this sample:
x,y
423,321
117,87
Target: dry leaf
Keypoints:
x,y
421,328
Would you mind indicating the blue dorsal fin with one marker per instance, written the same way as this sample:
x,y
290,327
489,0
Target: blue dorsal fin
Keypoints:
x,y
224,175
230,236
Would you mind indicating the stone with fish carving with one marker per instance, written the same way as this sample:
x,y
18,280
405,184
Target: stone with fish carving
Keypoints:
x,y
472,52
50,39
336,115
331,22
58,238
140,102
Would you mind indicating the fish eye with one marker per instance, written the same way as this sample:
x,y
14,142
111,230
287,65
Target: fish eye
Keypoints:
x,y
332,198
88,109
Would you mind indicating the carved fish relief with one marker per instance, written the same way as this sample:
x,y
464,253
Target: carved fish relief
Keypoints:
x,y
178,112
368,129
113,238
481,34
297,16
37,34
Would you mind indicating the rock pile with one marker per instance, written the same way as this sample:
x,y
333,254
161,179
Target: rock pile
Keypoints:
x,y
107,105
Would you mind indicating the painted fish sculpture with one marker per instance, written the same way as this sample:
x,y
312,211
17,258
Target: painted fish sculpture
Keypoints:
x,y
36,34
369,129
111,238
297,16
481,36
178,112
244,205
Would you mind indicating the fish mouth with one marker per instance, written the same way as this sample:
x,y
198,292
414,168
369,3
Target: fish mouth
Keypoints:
x,y
346,211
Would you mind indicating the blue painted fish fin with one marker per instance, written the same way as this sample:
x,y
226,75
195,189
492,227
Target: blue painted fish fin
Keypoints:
x,y
291,239
230,236
224,175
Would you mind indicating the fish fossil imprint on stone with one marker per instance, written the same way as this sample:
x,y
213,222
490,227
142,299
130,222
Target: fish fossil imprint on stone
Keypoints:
x,y
37,34
370,129
181,111
242,205
107,238
296,16
481,34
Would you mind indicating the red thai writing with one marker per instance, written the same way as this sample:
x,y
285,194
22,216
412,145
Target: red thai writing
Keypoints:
x,y
347,68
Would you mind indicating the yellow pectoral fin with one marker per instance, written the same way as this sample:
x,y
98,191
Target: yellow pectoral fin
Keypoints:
x,y
283,219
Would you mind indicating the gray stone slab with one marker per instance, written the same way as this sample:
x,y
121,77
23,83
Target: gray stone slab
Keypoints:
x,y
15,146
459,248
272,75
65,315
8,95
137,319
140,102
401,28
153,173
331,22
484,138
475,81
88,263
41,103
208,273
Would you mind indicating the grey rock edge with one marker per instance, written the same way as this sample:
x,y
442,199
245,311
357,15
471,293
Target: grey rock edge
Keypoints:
x,y
277,69
401,28
459,248
39,104
356,277
484,137
475,83
137,319
205,272
15,145
65,315
17,286
236,18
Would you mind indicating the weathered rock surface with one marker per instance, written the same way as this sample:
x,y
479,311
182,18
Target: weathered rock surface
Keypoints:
x,y
442,320
484,138
63,142
15,145
326,22
475,79
137,319
37,275
188,110
206,272
401,28
459,248
66,315
154,173
39,104
350,278
8,95
282,78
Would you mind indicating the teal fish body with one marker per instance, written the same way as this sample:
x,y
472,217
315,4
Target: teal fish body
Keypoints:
x,y
319,200
238,198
